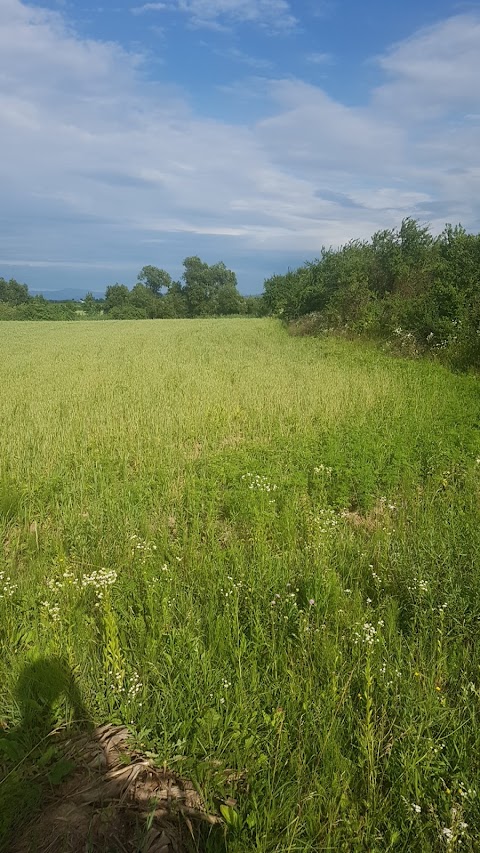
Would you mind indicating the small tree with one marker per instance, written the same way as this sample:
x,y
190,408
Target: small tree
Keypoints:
x,y
89,303
116,296
229,301
141,297
13,293
155,279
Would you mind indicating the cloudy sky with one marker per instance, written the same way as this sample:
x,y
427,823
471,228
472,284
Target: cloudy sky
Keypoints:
x,y
248,131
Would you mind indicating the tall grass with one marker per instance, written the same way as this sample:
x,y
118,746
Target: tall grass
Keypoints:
x,y
262,553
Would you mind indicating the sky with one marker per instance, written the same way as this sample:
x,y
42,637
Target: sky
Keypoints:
x,y
248,131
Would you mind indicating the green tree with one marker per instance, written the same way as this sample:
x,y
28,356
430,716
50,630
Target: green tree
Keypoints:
x,y
142,298
255,306
116,296
198,287
12,292
230,301
90,303
203,286
174,303
155,279
224,294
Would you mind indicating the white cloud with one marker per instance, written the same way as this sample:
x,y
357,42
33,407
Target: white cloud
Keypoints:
x,y
95,159
68,265
237,55
273,14
434,71
149,7
319,58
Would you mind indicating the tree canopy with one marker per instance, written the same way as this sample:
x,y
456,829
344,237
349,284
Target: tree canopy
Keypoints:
x,y
204,291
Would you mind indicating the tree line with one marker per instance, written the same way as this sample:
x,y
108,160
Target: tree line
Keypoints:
x,y
420,292
204,291
417,291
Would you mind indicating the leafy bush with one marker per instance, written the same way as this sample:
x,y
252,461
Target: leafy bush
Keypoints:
x,y
404,285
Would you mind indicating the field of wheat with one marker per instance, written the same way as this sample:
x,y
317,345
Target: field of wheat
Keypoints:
x,y
259,552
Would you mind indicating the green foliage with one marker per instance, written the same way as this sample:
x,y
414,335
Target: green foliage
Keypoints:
x,y
38,308
419,292
17,304
126,312
116,296
91,305
13,293
255,306
210,290
155,279
174,303
207,291
143,299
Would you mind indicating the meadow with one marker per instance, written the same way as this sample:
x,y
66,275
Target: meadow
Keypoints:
x,y
262,553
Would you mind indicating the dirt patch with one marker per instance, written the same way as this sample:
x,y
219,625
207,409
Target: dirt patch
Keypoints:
x,y
376,518
116,801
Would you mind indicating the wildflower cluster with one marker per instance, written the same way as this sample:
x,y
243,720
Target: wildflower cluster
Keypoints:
x,y
141,548
232,590
406,340
52,610
418,586
7,587
368,634
434,747
134,687
66,579
258,482
326,520
57,585
388,674
289,598
323,469
285,608
385,504
225,687
454,833
129,688
375,576
100,580
466,793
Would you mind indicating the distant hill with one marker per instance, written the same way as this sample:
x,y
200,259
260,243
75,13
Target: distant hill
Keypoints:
x,y
65,294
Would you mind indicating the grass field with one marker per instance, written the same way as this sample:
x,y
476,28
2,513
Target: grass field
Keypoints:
x,y
261,552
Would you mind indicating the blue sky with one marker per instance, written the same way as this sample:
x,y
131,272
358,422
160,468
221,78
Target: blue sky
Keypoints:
x,y
248,131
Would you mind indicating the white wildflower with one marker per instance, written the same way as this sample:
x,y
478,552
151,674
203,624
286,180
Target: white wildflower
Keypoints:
x,y
258,482
7,587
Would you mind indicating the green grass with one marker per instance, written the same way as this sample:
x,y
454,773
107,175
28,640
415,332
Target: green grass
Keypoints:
x,y
292,526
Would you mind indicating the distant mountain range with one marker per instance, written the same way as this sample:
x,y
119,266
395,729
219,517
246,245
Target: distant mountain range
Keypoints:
x,y
65,294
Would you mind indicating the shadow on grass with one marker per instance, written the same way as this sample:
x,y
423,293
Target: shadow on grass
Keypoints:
x,y
30,754
72,788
